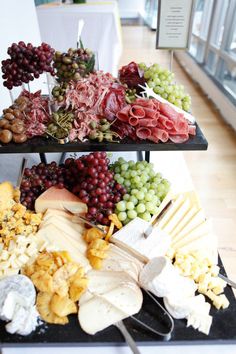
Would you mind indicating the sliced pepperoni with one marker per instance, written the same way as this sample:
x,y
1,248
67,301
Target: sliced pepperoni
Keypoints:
x,y
133,121
137,111
123,115
143,133
166,122
161,134
148,122
181,138
192,129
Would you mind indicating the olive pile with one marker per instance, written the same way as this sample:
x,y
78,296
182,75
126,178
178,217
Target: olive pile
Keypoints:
x,y
61,124
74,64
58,91
130,95
12,126
101,131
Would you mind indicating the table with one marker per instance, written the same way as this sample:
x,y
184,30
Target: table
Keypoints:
x,y
173,167
101,33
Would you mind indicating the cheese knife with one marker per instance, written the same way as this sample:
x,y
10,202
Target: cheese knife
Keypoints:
x,y
21,172
149,229
227,280
84,220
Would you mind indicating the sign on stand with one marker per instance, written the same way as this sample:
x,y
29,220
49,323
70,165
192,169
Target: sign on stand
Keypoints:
x,y
174,19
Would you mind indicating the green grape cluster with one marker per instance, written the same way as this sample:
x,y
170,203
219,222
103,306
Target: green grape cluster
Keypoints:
x,y
161,80
145,189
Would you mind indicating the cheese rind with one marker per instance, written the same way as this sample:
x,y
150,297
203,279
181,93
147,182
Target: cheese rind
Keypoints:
x,y
56,198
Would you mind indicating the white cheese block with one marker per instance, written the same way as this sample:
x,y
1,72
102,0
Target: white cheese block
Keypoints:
x,y
181,306
73,228
102,311
131,239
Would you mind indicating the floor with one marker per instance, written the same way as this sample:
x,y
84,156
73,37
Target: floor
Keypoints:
x,y
213,171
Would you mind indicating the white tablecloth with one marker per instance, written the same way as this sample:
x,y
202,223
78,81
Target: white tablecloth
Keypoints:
x,y
101,33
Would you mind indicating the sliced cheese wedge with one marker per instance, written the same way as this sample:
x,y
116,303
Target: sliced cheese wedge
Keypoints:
x,y
197,220
56,198
119,260
98,311
61,241
177,217
101,281
170,212
184,221
197,232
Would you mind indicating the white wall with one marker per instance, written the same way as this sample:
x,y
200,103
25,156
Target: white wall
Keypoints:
x,y
130,8
18,21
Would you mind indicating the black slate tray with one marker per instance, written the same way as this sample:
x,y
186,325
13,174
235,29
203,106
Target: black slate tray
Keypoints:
x,y
43,145
223,330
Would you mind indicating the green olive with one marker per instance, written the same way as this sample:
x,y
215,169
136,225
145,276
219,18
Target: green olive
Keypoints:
x,y
104,127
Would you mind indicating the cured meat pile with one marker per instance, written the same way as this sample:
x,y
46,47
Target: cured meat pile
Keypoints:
x,y
36,115
155,121
98,94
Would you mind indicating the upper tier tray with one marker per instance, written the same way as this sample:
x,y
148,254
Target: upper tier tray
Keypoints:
x,y
42,145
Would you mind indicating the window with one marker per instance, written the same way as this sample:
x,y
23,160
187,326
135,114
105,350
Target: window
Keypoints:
x,y
213,42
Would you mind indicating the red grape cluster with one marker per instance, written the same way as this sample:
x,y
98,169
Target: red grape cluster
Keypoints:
x,y
91,180
26,63
39,178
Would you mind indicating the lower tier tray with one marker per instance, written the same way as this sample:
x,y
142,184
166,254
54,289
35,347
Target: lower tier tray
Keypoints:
x,y
222,330
43,145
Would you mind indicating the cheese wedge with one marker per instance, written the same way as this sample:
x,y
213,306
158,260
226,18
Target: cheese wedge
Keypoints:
x,y
177,217
185,238
184,221
61,241
55,198
109,299
171,212
119,260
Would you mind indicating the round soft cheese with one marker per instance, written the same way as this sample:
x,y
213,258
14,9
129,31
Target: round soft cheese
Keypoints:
x,y
19,284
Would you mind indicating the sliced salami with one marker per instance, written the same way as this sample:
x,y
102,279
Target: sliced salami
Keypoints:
x,y
161,134
166,122
143,133
154,139
151,113
181,138
168,111
192,129
137,111
147,122
145,103
134,121
123,115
